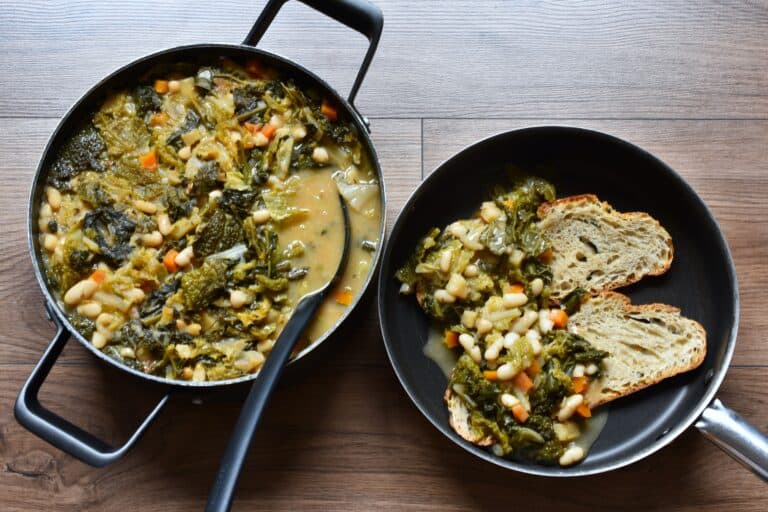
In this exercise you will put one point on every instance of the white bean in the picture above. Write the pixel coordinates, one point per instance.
(127, 353)
(261, 216)
(569, 406)
(164, 224)
(174, 86)
(100, 339)
(444, 297)
(185, 153)
(476, 354)
(184, 257)
(145, 206)
(493, 350)
(50, 242)
(514, 300)
(591, 369)
(194, 329)
(320, 155)
(457, 230)
(103, 321)
(471, 271)
(53, 196)
(545, 323)
(525, 322)
(466, 341)
(516, 258)
(509, 401)
(445, 260)
(509, 340)
(484, 325)
(298, 132)
(46, 210)
(534, 338)
(537, 285)
(238, 298)
(153, 239)
(89, 309)
(505, 371)
(80, 291)
(572, 455)
(134, 295)
(578, 370)
(457, 286)
(468, 318)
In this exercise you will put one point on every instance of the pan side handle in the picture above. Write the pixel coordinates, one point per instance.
(736, 437)
(359, 15)
(59, 432)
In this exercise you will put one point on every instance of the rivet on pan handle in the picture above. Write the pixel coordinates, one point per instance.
(735, 437)
(59, 432)
(358, 15)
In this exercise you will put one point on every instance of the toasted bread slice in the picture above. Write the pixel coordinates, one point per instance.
(597, 248)
(458, 418)
(647, 343)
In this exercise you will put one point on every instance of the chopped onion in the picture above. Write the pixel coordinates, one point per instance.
(233, 253)
(358, 195)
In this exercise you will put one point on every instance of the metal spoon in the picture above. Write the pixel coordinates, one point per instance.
(220, 497)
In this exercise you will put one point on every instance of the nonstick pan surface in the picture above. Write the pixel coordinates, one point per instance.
(701, 282)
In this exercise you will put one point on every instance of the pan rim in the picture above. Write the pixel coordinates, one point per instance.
(574, 471)
(52, 306)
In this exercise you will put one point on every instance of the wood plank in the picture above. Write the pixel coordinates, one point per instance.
(341, 438)
(398, 143)
(590, 59)
(726, 162)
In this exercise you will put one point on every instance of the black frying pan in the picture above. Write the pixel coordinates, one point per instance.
(701, 281)
(359, 15)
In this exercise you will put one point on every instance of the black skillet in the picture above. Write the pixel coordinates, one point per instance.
(701, 281)
(356, 14)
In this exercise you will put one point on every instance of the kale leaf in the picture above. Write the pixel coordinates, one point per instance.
(84, 151)
(190, 123)
(221, 232)
(201, 285)
(112, 231)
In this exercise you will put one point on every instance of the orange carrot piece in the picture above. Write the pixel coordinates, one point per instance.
(159, 119)
(253, 127)
(579, 384)
(584, 411)
(534, 369)
(451, 339)
(490, 374)
(523, 381)
(519, 412)
(559, 318)
(515, 288)
(169, 260)
(161, 86)
(269, 130)
(329, 111)
(149, 160)
(98, 276)
(546, 255)
(343, 297)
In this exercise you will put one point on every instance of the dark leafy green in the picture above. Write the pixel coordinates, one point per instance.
(84, 151)
(112, 231)
(221, 232)
(200, 286)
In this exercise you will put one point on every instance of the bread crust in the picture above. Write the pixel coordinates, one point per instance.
(458, 419)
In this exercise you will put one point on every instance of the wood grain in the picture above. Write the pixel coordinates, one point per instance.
(726, 162)
(685, 80)
(587, 59)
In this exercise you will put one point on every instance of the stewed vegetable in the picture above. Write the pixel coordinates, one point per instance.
(183, 221)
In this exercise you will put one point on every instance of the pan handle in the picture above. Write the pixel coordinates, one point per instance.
(358, 15)
(736, 437)
(56, 430)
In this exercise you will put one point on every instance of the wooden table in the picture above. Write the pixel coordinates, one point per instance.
(686, 80)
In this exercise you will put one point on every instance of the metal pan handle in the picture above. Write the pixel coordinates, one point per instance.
(358, 15)
(56, 430)
(736, 437)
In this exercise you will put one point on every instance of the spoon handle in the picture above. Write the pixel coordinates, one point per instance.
(220, 497)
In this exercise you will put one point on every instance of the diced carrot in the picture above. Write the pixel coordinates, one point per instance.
(534, 369)
(269, 130)
(343, 297)
(584, 411)
(161, 86)
(253, 127)
(254, 68)
(546, 255)
(169, 260)
(98, 276)
(329, 111)
(519, 412)
(515, 288)
(451, 339)
(523, 381)
(149, 160)
(559, 318)
(579, 384)
(159, 119)
(490, 374)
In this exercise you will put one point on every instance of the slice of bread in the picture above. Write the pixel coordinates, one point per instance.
(458, 418)
(647, 343)
(597, 248)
